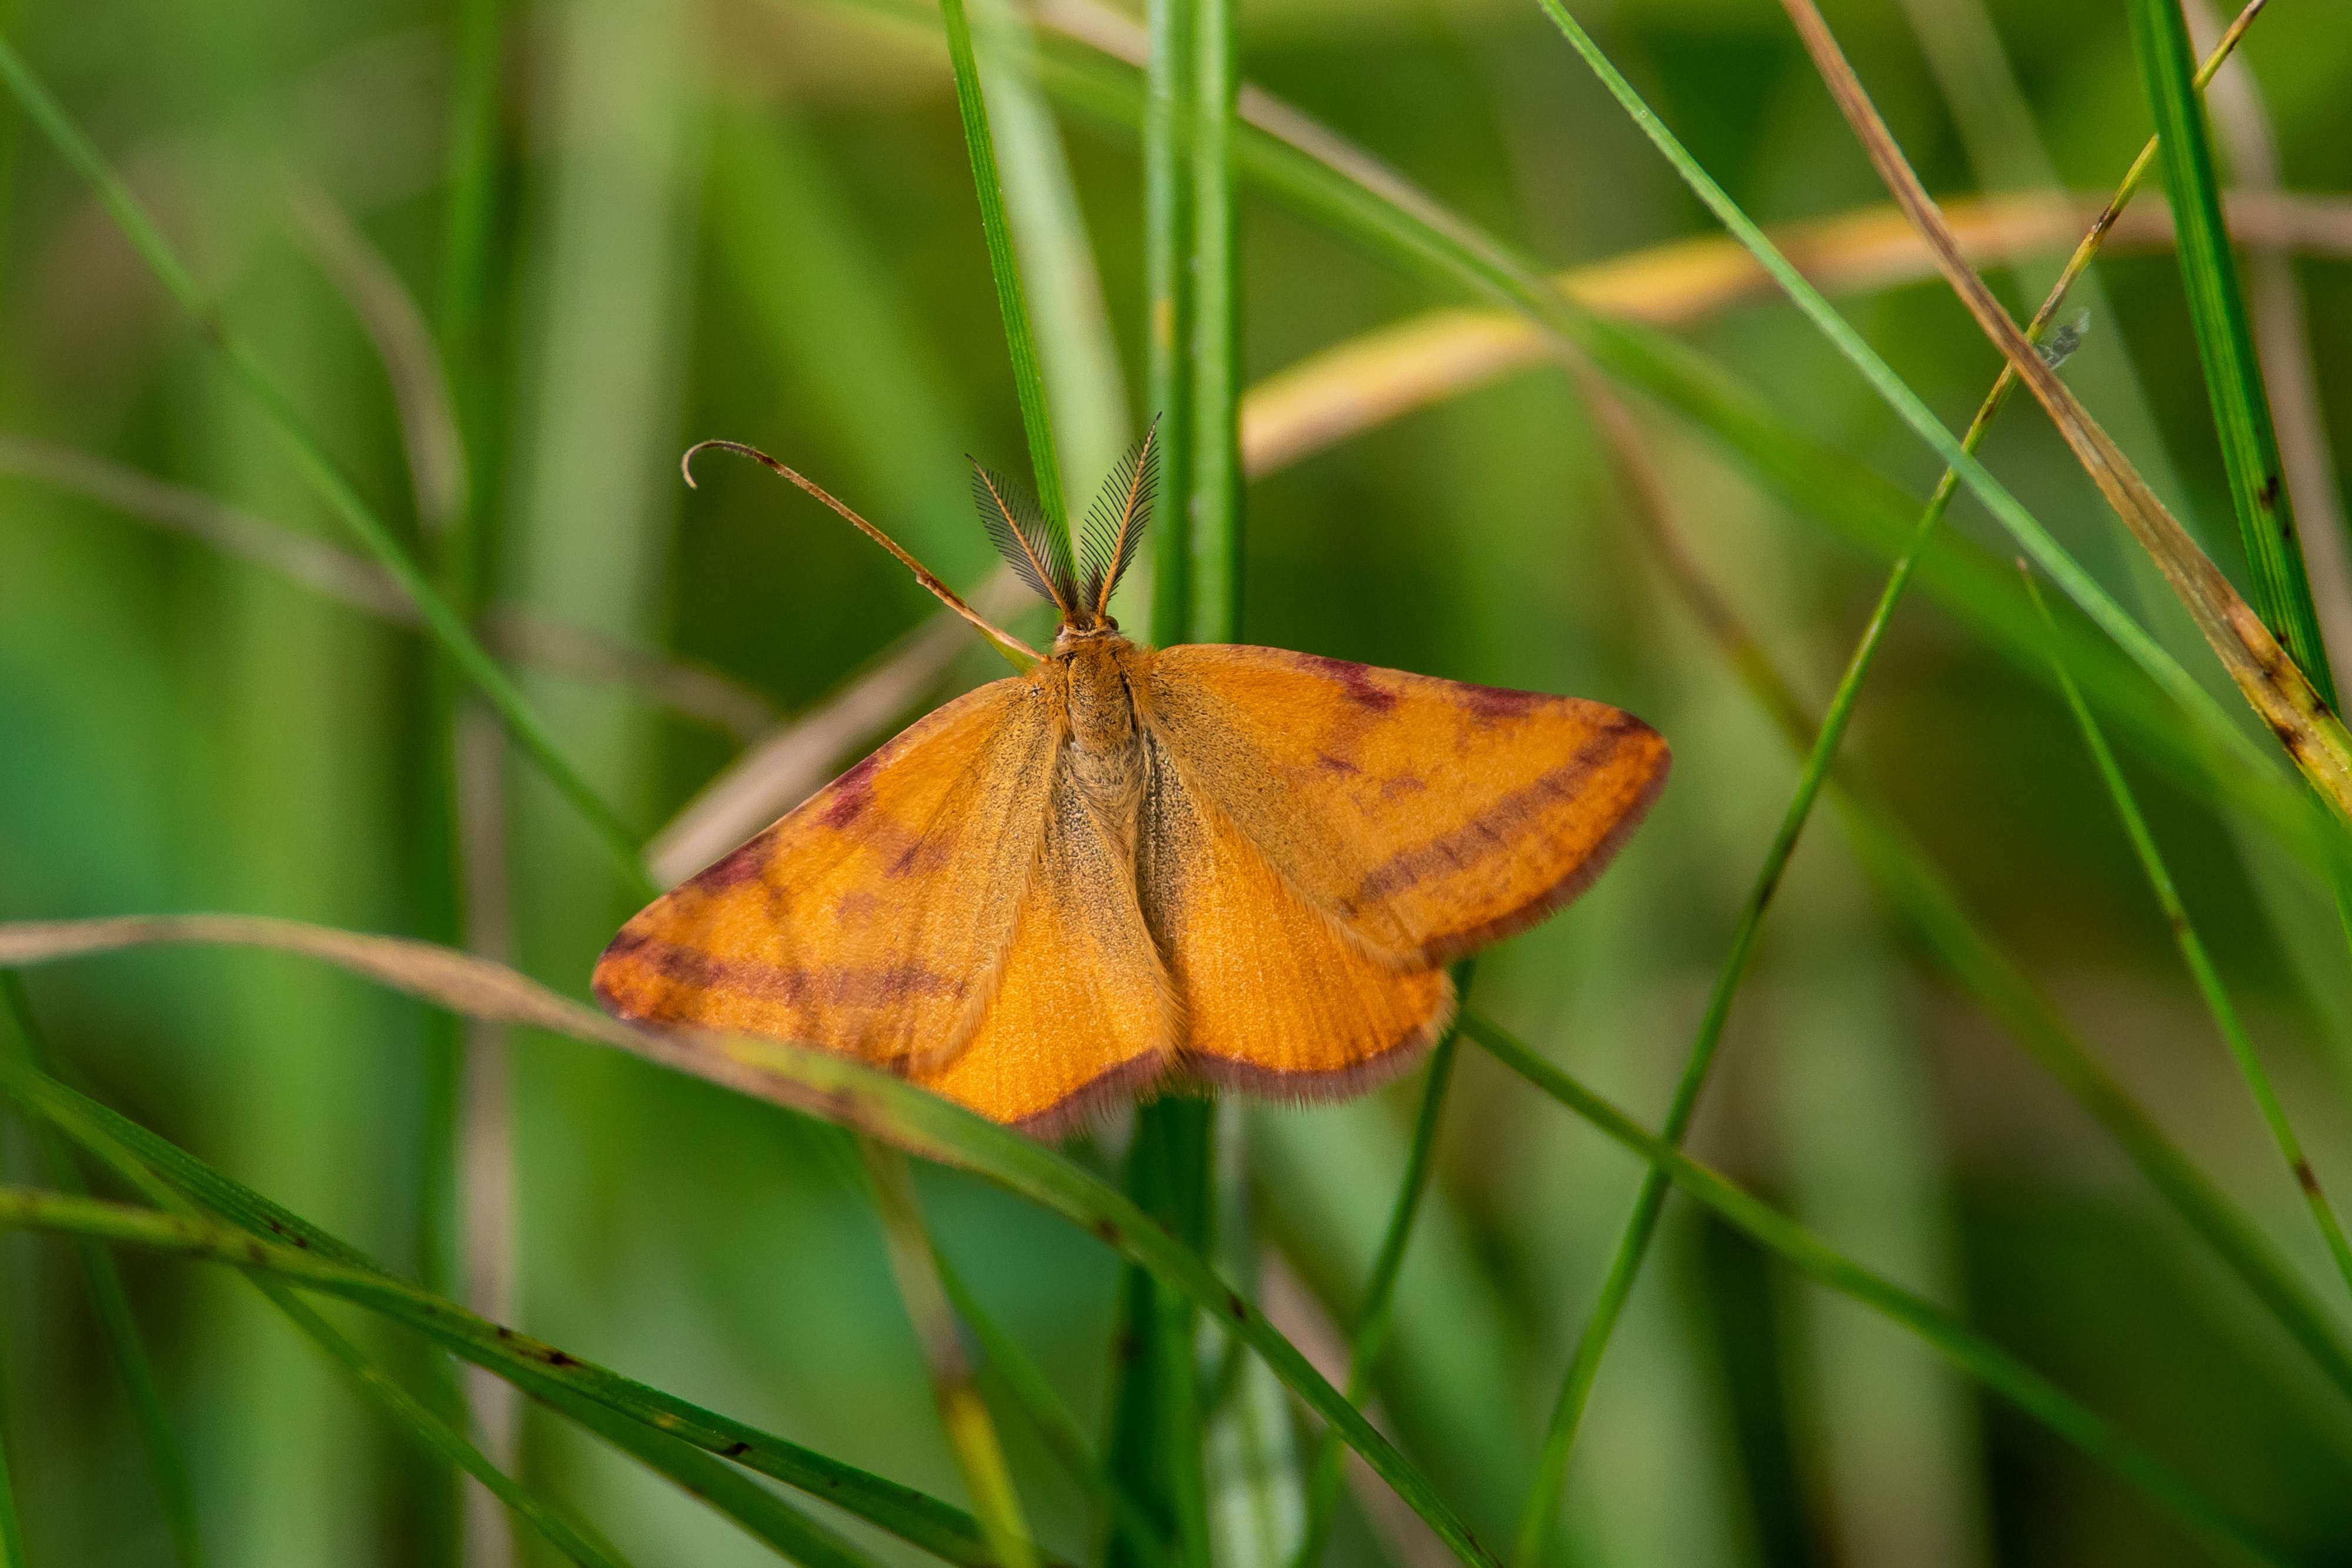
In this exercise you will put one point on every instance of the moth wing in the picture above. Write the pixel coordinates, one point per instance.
(1429, 816)
(1082, 1014)
(873, 920)
(1276, 997)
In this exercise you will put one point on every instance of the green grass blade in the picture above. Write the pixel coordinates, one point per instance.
(971, 1434)
(1214, 491)
(1168, 200)
(538, 1369)
(1955, 1341)
(1376, 1313)
(144, 1389)
(832, 1088)
(2225, 339)
(1004, 267)
(307, 455)
(2208, 979)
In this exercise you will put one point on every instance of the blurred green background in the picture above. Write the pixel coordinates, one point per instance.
(755, 220)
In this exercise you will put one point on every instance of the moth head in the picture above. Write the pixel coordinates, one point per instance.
(1038, 550)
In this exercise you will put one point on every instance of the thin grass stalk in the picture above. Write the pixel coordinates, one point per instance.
(1004, 267)
(165, 1460)
(1214, 496)
(835, 1089)
(1377, 1312)
(2225, 341)
(1927, 899)
(1154, 1451)
(1168, 218)
(1970, 1351)
(324, 473)
(444, 1440)
(971, 1436)
(1646, 496)
(2200, 967)
(463, 1137)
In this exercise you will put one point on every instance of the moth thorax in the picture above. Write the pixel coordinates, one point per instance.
(1105, 756)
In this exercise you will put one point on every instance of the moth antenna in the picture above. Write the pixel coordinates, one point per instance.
(1033, 548)
(1116, 520)
(940, 590)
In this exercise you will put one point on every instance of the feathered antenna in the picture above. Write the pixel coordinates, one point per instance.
(1032, 547)
(1004, 640)
(1116, 520)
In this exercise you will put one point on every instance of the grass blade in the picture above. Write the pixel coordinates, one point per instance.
(1004, 267)
(1955, 1341)
(12, 1531)
(1215, 497)
(1376, 1313)
(165, 1460)
(2225, 341)
(1168, 219)
(970, 1432)
(2208, 979)
(447, 625)
(831, 1088)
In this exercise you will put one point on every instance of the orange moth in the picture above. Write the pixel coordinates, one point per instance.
(1132, 870)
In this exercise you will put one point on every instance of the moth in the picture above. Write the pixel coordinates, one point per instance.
(1135, 870)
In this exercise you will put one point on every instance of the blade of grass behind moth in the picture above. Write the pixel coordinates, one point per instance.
(1377, 1310)
(1927, 900)
(669, 1434)
(1077, 350)
(2225, 341)
(165, 1460)
(964, 1416)
(432, 1430)
(2277, 689)
(1004, 267)
(1970, 1351)
(326, 476)
(1153, 1450)
(1214, 489)
(1816, 482)
(2200, 967)
(833, 1089)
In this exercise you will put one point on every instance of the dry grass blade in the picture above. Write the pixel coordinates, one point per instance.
(2273, 683)
(1365, 382)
